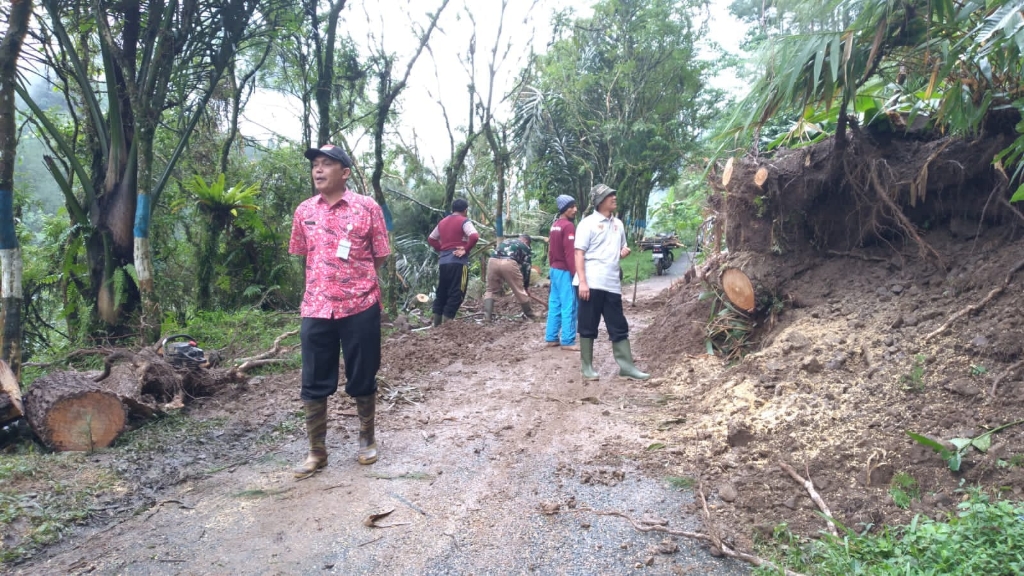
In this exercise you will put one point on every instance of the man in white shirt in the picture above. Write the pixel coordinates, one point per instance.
(600, 244)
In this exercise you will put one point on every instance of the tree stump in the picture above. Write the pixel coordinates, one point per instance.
(11, 407)
(753, 281)
(68, 412)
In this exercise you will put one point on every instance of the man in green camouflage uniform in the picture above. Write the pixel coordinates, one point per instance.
(510, 264)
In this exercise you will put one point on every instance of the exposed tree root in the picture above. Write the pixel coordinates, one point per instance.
(1011, 370)
(809, 486)
(266, 357)
(854, 255)
(905, 224)
(1011, 207)
(975, 307)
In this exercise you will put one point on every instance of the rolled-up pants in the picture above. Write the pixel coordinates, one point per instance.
(561, 309)
(357, 337)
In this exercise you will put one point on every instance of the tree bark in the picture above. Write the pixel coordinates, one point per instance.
(68, 412)
(11, 406)
(10, 252)
(148, 385)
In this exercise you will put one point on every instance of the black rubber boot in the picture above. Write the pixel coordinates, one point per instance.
(366, 407)
(316, 429)
(587, 359)
(624, 356)
(488, 309)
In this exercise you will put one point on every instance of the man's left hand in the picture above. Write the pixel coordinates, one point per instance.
(459, 252)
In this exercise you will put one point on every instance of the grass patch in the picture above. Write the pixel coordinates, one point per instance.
(174, 429)
(629, 268)
(982, 537)
(257, 493)
(904, 489)
(43, 496)
(681, 483)
(914, 380)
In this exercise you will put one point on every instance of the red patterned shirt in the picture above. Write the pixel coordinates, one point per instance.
(337, 287)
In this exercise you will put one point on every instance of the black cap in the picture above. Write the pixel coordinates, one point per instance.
(460, 205)
(331, 151)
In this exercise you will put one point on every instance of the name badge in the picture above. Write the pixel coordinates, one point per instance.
(343, 249)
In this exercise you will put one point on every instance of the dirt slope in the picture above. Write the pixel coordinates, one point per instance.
(839, 380)
(491, 448)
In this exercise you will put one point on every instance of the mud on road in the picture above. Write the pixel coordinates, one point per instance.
(493, 453)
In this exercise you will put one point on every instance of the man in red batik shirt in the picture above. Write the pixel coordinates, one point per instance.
(344, 240)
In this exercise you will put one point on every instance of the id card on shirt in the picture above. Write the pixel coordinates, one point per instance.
(344, 246)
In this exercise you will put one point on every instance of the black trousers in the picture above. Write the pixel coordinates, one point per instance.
(608, 305)
(451, 289)
(358, 337)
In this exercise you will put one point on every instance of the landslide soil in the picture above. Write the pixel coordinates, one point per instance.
(494, 454)
(494, 459)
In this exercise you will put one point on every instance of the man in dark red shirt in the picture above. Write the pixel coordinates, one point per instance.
(561, 328)
(454, 236)
(344, 240)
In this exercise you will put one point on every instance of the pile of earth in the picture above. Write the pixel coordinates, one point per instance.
(853, 362)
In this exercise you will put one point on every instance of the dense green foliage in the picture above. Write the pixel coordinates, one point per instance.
(954, 66)
(983, 537)
(620, 98)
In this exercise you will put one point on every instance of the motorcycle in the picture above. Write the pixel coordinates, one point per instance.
(661, 251)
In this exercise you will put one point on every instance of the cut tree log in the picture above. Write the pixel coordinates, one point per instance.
(11, 407)
(727, 173)
(768, 276)
(761, 176)
(69, 412)
(738, 289)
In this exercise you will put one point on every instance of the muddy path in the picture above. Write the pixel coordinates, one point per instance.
(492, 451)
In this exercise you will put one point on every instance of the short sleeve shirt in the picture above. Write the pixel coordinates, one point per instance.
(338, 287)
(602, 240)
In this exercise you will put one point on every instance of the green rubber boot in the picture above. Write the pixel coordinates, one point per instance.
(437, 320)
(366, 407)
(488, 309)
(587, 359)
(624, 356)
(316, 429)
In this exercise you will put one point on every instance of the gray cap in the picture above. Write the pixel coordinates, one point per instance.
(331, 151)
(599, 193)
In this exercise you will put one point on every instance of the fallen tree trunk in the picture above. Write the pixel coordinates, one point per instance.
(753, 282)
(68, 412)
(149, 385)
(11, 407)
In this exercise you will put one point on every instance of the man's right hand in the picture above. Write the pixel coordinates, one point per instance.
(584, 291)
(459, 252)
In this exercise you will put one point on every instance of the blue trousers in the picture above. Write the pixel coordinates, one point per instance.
(561, 309)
